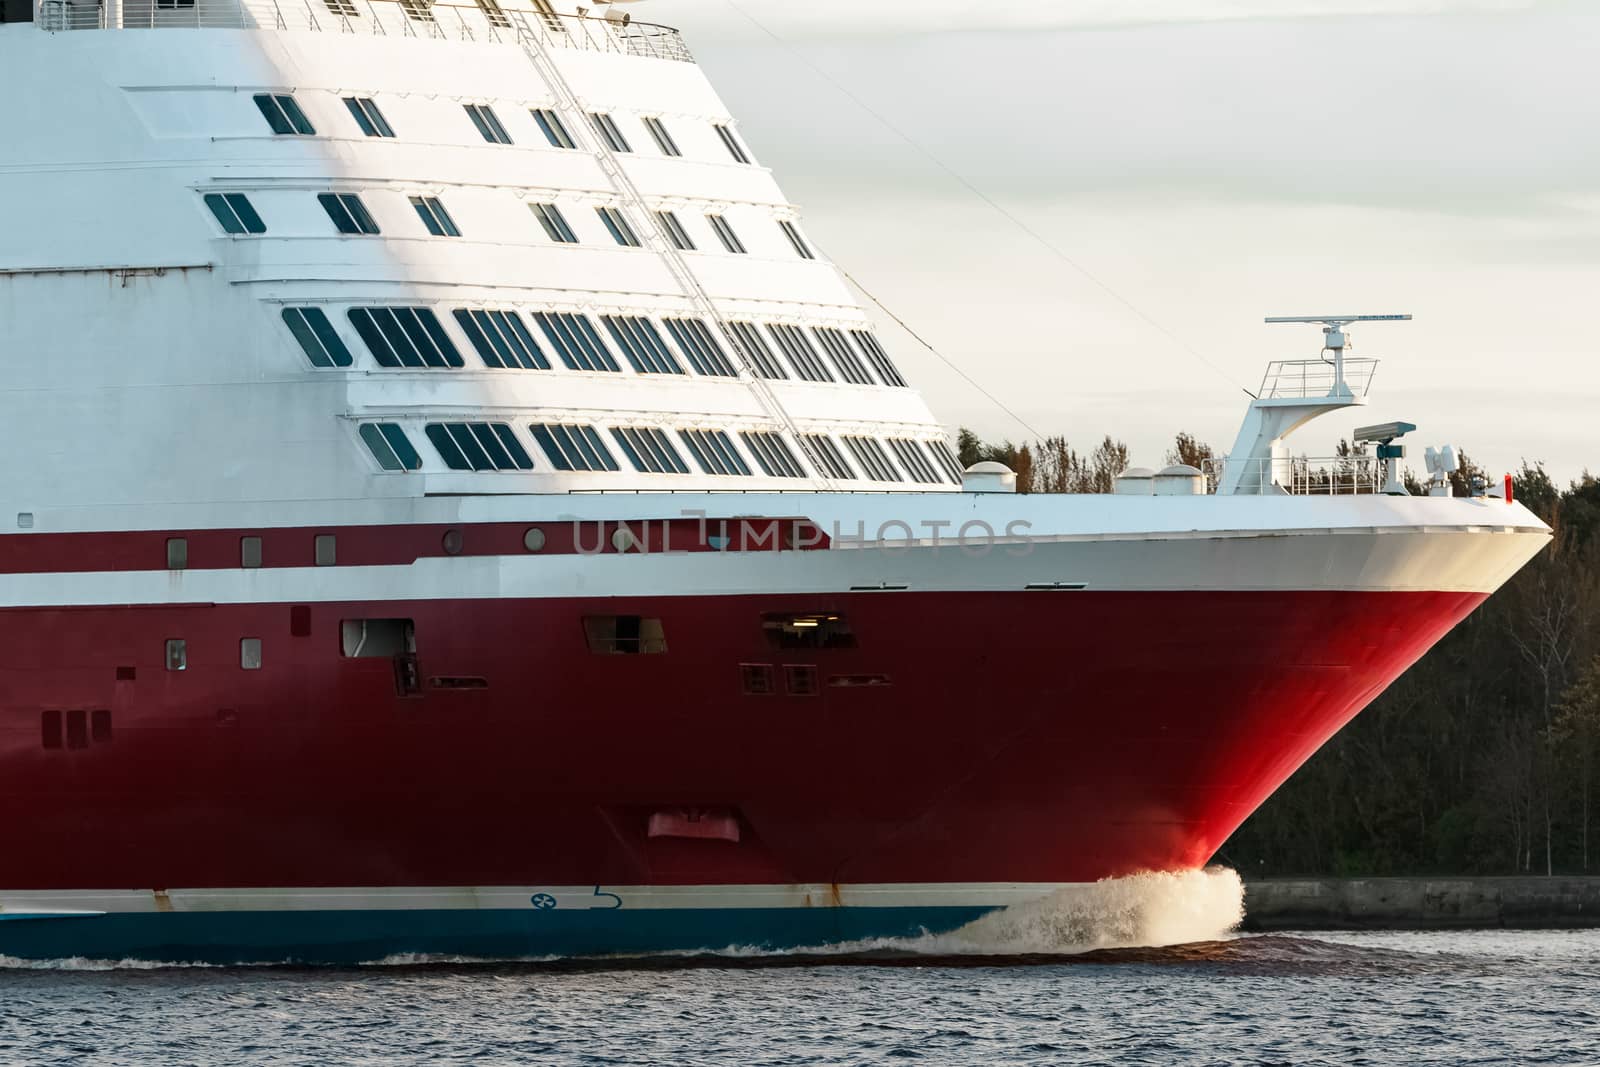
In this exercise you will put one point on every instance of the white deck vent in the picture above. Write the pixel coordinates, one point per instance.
(989, 477)
(1135, 481)
(1180, 479)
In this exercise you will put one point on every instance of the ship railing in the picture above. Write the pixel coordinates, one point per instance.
(1354, 473)
(484, 21)
(1304, 379)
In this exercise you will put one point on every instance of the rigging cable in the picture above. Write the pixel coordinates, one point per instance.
(923, 341)
(999, 208)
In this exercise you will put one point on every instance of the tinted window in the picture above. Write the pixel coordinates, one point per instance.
(316, 335)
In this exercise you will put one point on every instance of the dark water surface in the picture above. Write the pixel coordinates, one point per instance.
(1378, 998)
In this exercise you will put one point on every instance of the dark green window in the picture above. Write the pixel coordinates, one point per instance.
(606, 127)
(773, 455)
(283, 114)
(747, 339)
(914, 460)
(725, 234)
(554, 130)
(367, 115)
(575, 340)
(405, 337)
(649, 450)
(501, 339)
(390, 446)
(488, 123)
(878, 357)
(641, 343)
(435, 217)
(825, 456)
(348, 213)
(697, 342)
(478, 446)
(316, 335)
(947, 461)
(792, 232)
(235, 213)
(617, 224)
(663, 139)
(714, 452)
(675, 232)
(844, 357)
(731, 142)
(573, 448)
(870, 455)
(800, 351)
(554, 223)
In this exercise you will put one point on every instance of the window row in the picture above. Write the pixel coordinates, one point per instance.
(285, 117)
(415, 337)
(496, 446)
(350, 216)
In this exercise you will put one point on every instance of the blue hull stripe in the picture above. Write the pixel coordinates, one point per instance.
(359, 936)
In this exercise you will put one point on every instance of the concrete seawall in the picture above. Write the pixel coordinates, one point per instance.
(1420, 903)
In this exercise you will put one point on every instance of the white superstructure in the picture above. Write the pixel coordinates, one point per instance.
(571, 234)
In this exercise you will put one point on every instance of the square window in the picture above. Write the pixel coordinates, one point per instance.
(77, 728)
(50, 729)
(177, 654)
(326, 550)
(800, 680)
(249, 551)
(624, 635)
(250, 653)
(755, 679)
(177, 553)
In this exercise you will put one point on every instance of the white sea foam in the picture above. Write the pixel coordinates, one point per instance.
(1139, 911)
(81, 963)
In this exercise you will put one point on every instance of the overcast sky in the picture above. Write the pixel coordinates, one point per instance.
(1209, 162)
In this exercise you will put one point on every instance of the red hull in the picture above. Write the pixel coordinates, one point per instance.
(1026, 736)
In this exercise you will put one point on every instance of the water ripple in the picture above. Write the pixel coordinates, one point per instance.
(1379, 999)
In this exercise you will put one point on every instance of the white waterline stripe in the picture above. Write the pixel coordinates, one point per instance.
(522, 898)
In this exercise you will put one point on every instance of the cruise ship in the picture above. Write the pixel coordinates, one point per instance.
(452, 505)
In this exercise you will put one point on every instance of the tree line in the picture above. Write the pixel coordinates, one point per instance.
(1482, 758)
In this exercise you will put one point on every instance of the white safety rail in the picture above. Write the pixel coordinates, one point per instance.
(383, 18)
(1300, 475)
(1301, 379)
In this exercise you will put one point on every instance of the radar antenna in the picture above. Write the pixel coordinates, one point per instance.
(1335, 338)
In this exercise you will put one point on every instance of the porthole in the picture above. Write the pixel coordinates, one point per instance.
(452, 542)
(623, 540)
(533, 540)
